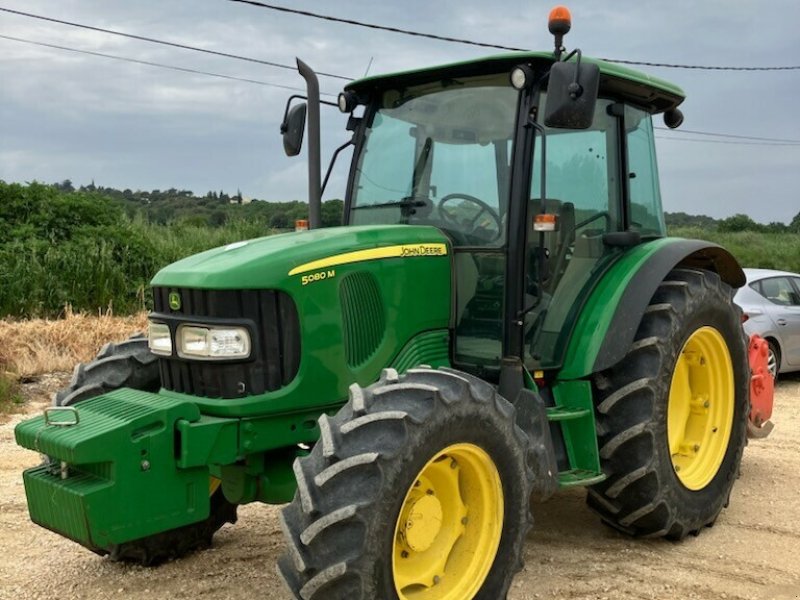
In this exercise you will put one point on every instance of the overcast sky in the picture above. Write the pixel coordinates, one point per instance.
(79, 117)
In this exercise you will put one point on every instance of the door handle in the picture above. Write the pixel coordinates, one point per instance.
(781, 321)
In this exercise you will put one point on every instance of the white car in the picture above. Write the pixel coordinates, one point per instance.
(771, 304)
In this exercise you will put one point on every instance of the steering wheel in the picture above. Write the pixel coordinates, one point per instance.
(471, 225)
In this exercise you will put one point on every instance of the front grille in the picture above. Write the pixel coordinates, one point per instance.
(271, 316)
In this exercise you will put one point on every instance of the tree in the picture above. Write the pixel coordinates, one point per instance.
(279, 221)
(794, 226)
(739, 222)
(64, 186)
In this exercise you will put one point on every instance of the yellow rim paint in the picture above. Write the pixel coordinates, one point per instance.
(700, 409)
(449, 527)
(213, 485)
(398, 251)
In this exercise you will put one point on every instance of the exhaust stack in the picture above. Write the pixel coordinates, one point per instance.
(314, 166)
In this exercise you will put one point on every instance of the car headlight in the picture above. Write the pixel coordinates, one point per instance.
(213, 342)
(159, 339)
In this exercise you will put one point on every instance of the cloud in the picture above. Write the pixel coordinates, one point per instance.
(64, 115)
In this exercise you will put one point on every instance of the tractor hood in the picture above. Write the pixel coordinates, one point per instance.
(275, 261)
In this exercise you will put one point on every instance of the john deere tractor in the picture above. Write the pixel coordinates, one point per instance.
(501, 315)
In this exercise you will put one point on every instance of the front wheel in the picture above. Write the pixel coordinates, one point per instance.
(417, 490)
(672, 414)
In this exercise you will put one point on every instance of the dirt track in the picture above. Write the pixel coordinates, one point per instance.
(752, 553)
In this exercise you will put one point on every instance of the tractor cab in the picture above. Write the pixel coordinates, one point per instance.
(540, 169)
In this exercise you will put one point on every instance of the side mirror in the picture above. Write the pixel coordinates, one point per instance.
(292, 128)
(572, 95)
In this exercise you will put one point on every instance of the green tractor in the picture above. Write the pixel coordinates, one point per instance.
(501, 315)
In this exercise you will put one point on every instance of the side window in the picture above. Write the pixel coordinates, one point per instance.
(779, 290)
(645, 196)
(796, 282)
(582, 173)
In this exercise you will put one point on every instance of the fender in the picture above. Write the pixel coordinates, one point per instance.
(607, 325)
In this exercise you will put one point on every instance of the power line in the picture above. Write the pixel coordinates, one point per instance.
(442, 38)
(142, 38)
(730, 135)
(728, 142)
(700, 67)
(772, 141)
(155, 64)
(432, 36)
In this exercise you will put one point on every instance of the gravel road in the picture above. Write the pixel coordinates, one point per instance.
(753, 552)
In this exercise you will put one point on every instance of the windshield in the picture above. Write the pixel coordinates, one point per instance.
(440, 154)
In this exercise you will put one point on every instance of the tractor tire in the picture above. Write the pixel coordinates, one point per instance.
(131, 364)
(672, 415)
(435, 447)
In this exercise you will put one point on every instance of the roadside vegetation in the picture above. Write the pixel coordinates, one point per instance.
(95, 251)
(75, 263)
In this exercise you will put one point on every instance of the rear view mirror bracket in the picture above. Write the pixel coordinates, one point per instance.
(572, 92)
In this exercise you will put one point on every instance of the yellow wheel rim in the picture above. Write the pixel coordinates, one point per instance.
(700, 410)
(449, 527)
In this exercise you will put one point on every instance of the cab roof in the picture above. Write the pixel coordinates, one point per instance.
(652, 93)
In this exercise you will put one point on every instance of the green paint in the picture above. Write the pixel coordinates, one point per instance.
(208, 441)
(415, 293)
(609, 70)
(430, 348)
(123, 481)
(574, 411)
(595, 318)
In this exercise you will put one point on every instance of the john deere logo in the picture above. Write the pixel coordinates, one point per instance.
(175, 301)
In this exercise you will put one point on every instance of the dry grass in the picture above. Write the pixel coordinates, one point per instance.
(37, 346)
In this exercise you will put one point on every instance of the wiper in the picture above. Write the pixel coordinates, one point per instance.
(409, 202)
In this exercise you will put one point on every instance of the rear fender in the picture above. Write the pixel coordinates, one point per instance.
(608, 323)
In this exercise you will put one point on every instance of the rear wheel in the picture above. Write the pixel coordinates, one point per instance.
(131, 364)
(418, 490)
(672, 414)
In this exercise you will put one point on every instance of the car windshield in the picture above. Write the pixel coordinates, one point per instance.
(439, 154)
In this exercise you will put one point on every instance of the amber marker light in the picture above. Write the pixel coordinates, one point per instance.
(560, 20)
(545, 222)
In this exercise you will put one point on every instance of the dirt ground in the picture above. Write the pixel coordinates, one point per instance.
(753, 552)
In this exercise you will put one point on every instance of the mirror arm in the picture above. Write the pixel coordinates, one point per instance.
(575, 89)
(333, 162)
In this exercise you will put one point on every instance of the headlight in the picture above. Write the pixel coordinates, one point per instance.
(159, 339)
(213, 342)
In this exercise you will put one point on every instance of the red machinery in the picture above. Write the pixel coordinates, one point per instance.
(762, 389)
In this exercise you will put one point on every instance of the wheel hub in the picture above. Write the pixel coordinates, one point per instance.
(449, 526)
(700, 409)
(423, 523)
